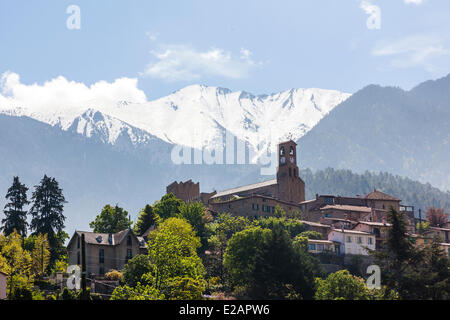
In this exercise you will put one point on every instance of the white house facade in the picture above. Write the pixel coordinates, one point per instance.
(353, 241)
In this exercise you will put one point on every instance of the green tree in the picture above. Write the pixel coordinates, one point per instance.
(147, 218)
(341, 285)
(58, 249)
(140, 292)
(111, 220)
(399, 259)
(264, 264)
(173, 252)
(185, 288)
(434, 272)
(220, 232)
(293, 227)
(195, 214)
(135, 269)
(279, 212)
(47, 212)
(15, 215)
(311, 235)
(16, 262)
(61, 264)
(168, 207)
(40, 255)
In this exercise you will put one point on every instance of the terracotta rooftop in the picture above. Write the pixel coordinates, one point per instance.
(352, 231)
(376, 224)
(378, 195)
(348, 208)
(244, 188)
(314, 224)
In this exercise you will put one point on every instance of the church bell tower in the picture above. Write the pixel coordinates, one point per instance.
(291, 187)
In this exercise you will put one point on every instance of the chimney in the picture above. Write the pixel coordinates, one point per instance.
(110, 238)
(317, 196)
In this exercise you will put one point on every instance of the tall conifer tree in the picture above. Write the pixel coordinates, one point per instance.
(15, 215)
(47, 211)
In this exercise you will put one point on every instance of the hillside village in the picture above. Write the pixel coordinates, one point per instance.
(342, 232)
(349, 226)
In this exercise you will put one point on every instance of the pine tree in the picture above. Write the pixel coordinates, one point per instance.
(15, 215)
(399, 259)
(146, 219)
(47, 211)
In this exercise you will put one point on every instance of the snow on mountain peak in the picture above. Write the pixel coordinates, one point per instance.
(195, 116)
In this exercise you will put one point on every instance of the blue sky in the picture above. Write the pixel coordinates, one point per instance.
(256, 46)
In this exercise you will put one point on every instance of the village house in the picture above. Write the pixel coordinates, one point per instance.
(338, 223)
(425, 239)
(105, 252)
(378, 229)
(371, 207)
(323, 229)
(3, 279)
(441, 233)
(352, 241)
(320, 246)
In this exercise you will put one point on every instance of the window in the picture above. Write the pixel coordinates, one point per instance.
(311, 246)
(129, 241)
(295, 172)
(359, 240)
(291, 151)
(282, 151)
(78, 258)
(101, 256)
(255, 206)
(369, 240)
(78, 242)
(320, 247)
(349, 239)
(327, 215)
(377, 232)
(290, 172)
(101, 271)
(129, 255)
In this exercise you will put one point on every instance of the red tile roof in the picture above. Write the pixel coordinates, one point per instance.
(347, 208)
(378, 195)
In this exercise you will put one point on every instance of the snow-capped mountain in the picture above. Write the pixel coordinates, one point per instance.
(195, 116)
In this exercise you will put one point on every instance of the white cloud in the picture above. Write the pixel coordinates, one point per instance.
(413, 51)
(184, 62)
(417, 2)
(62, 93)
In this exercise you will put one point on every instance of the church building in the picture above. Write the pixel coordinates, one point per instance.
(260, 199)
